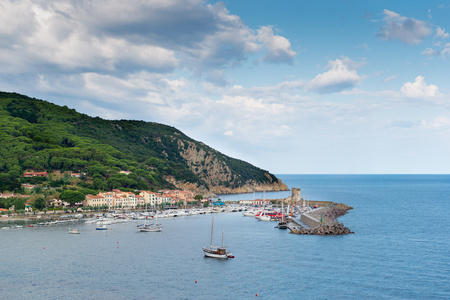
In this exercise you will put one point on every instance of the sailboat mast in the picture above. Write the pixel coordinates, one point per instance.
(212, 226)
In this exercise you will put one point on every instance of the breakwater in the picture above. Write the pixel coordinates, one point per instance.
(323, 221)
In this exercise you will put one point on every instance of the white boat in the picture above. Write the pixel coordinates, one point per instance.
(74, 231)
(151, 228)
(249, 213)
(216, 251)
(264, 217)
(101, 226)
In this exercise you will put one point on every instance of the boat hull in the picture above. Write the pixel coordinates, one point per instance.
(214, 254)
(150, 229)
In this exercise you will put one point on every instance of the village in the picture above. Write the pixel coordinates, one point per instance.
(115, 199)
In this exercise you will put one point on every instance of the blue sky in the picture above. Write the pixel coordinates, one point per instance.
(313, 87)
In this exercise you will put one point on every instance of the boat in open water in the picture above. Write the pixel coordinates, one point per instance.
(216, 251)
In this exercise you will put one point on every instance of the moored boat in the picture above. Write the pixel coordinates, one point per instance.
(216, 251)
(150, 228)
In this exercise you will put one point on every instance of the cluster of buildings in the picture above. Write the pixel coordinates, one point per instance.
(35, 174)
(120, 199)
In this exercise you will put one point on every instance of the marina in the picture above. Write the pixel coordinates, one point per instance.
(387, 257)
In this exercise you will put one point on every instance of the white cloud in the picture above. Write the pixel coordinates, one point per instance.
(341, 75)
(278, 48)
(419, 89)
(407, 30)
(441, 34)
(430, 52)
(387, 79)
(113, 36)
(438, 123)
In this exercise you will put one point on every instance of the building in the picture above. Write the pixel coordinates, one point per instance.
(35, 174)
(27, 186)
(6, 195)
(177, 195)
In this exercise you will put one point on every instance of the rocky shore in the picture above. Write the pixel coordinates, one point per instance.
(327, 223)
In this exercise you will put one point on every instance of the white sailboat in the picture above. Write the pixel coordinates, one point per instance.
(151, 227)
(216, 251)
(101, 226)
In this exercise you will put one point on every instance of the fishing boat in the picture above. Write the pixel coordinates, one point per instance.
(216, 251)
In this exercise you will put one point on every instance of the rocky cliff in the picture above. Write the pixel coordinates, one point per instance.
(217, 175)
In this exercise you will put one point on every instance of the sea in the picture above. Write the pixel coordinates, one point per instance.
(400, 249)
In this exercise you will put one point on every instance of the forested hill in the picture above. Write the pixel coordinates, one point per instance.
(37, 135)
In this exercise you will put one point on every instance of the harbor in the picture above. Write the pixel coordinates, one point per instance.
(49, 263)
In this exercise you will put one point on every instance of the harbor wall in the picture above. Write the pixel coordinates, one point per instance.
(310, 221)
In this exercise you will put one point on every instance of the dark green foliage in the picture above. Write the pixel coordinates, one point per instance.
(19, 203)
(72, 196)
(41, 136)
(39, 203)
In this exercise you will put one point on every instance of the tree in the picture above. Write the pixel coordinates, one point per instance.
(72, 196)
(198, 197)
(39, 203)
(19, 204)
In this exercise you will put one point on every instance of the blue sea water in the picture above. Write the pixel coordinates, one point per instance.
(400, 250)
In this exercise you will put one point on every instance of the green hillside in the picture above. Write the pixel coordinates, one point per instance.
(41, 136)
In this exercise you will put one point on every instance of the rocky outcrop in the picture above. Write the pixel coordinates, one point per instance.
(217, 175)
(213, 191)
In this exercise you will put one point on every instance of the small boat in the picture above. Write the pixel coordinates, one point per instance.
(74, 231)
(150, 228)
(282, 224)
(101, 226)
(249, 213)
(216, 251)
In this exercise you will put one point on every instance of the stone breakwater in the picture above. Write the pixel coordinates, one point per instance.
(323, 221)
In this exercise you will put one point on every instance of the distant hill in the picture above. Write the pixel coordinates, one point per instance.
(41, 136)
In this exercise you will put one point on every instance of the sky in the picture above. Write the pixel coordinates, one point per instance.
(293, 87)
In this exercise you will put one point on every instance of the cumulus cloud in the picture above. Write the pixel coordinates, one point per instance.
(407, 30)
(341, 76)
(441, 34)
(278, 48)
(419, 89)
